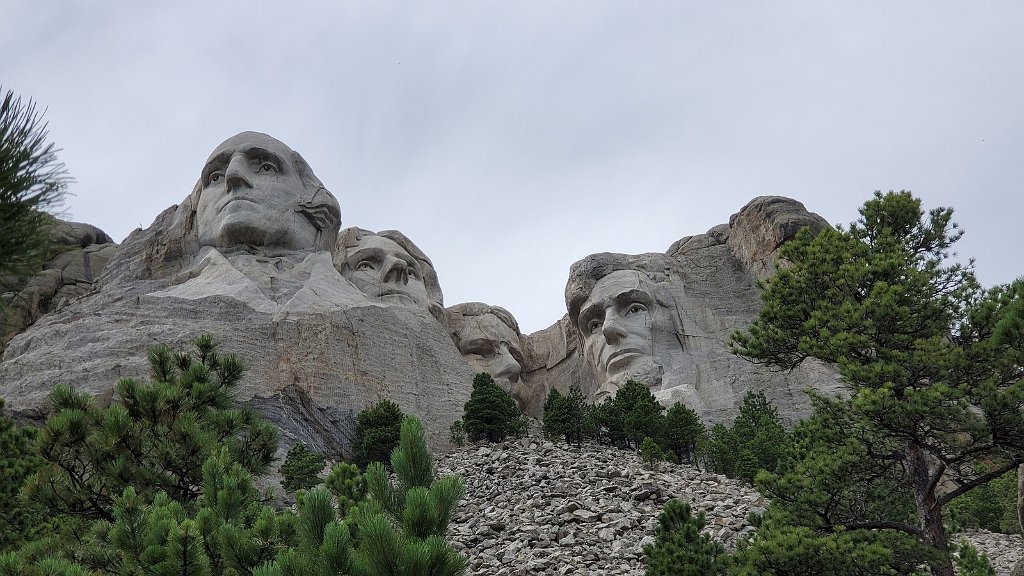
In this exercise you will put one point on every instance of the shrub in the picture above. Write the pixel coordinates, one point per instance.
(377, 432)
(457, 434)
(490, 413)
(301, 468)
(680, 549)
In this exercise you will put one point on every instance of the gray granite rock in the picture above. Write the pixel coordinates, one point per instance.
(665, 319)
(533, 507)
(260, 275)
(81, 252)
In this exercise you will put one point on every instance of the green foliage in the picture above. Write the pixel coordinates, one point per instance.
(754, 442)
(782, 549)
(402, 526)
(933, 363)
(684, 433)
(301, 468)
(490, 413)
(348, 486)
(970, 563)
(651, 452)
(565, 417)
(632, 414)
(457, 434)
(680, 549)
(18, 519)
(154, 437)
(32, 180)
(991, 507)
(377, 431)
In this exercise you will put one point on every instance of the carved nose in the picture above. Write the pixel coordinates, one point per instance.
(506, 366)
(396, 270)
(235, 174)
(612, 329)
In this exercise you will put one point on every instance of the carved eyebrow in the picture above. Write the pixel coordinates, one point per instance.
(621, 299)
(263, 154)
(636, 295)
(216, 163)
(364, 253)
(590, 312)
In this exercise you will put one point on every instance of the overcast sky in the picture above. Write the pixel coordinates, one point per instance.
(509, 139)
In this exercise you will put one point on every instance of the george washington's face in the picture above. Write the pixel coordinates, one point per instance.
(250, 195)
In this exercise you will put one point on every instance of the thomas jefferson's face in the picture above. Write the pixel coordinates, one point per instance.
(250, 192)
(380, 268)
(620, 323)
(489, 345)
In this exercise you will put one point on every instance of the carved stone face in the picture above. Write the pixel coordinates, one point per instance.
(626, 333)
(489, 345)
(250, 195)
(382, 269)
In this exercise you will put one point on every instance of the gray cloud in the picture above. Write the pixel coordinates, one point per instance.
(511, 139)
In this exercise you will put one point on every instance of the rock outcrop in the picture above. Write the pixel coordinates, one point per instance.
(330, 321)
(249, 256)
(81, 253)
(687, 302)
(533, 507)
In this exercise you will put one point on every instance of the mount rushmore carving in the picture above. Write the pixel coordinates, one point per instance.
(330, 320)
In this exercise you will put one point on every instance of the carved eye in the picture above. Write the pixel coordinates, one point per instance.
(412, 272)
(215, 176)
(636, 308)
(365, 265)
(267, 167)
(594, 325)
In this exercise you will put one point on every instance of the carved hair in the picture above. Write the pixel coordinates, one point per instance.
(654, 271)
(458, 315)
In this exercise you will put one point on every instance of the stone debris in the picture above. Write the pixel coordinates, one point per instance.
(537, 508)
(534, 507)
(1003, 550)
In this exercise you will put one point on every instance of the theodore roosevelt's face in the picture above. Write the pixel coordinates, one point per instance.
(489, 345)
(620, 322)
(250, 194)
(382, 269)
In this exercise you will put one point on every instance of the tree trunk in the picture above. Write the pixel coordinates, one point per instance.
(1018, 570)
(928, 512)
(1020, 496)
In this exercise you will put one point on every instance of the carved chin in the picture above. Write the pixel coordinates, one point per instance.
(645, 370)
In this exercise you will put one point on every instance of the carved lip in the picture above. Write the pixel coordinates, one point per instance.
(621, 358)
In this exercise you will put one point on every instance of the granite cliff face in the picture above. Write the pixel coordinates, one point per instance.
(329, 321)
(665, 319)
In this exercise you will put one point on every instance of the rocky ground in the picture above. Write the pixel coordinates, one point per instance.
(533, 507)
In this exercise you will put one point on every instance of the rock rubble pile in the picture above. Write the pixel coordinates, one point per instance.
(533, 507)
(537, 508)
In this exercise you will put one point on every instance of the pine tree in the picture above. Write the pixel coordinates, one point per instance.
(348, 486)
(419, 505)
(490, 413)
(18, 519)
(683, 432)
(301, 468)
(555, 424)
(632, 414)
(457, 434)
(32, 180)
(651, 453)
(377, 432)
(934, 365)
(680, 549)
(154, 437)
